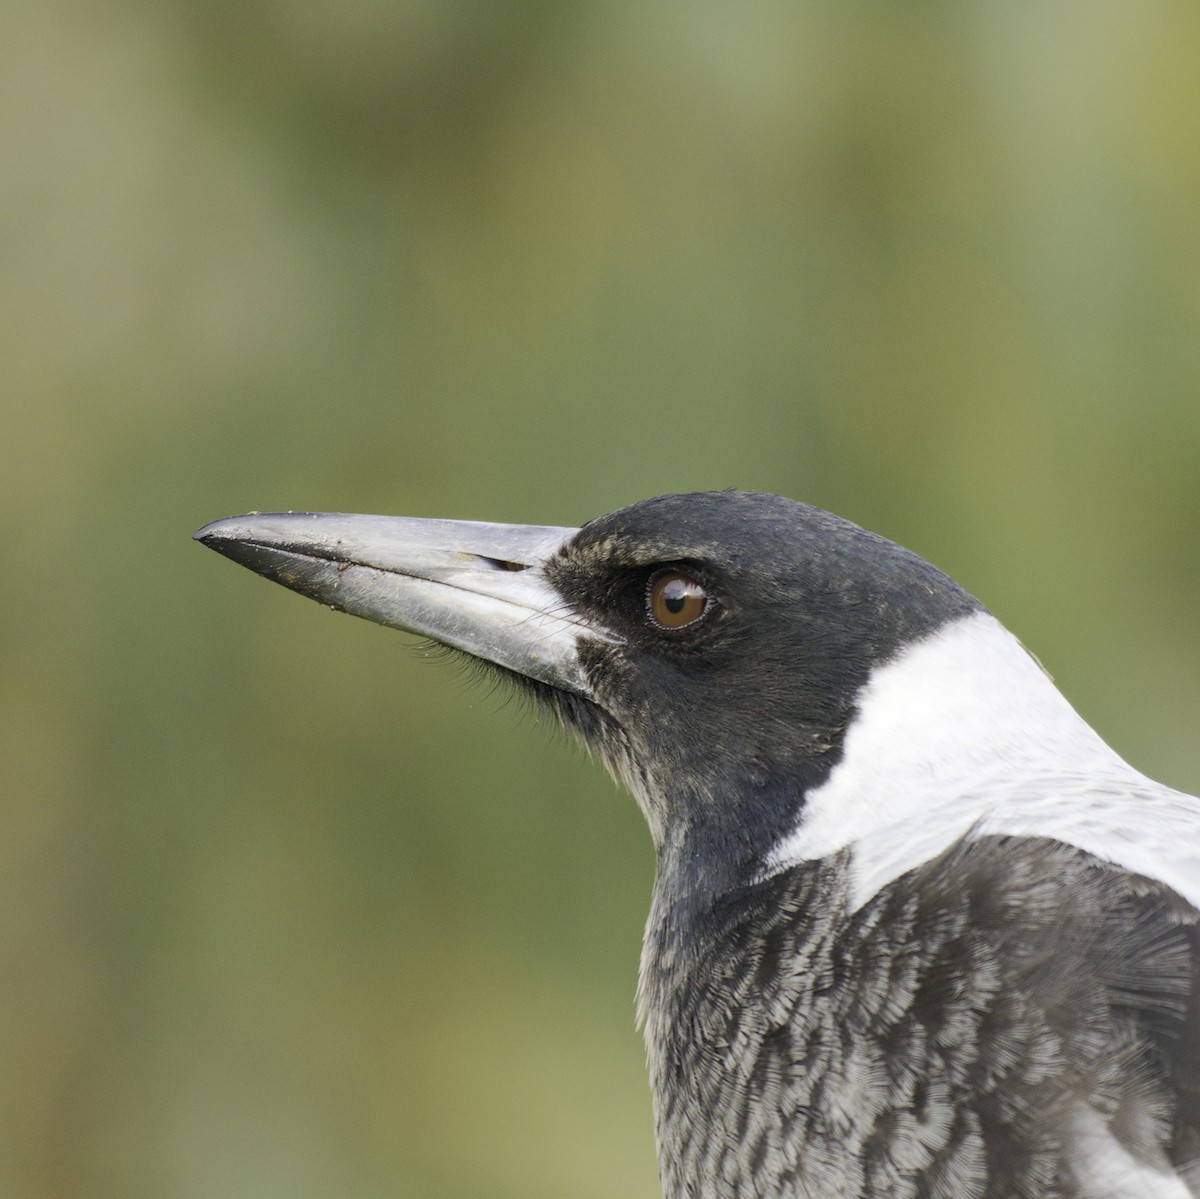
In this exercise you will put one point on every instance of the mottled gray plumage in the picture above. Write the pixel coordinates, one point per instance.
(937, 1043)
(916, 932)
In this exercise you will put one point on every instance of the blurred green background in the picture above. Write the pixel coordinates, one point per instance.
(287, 911)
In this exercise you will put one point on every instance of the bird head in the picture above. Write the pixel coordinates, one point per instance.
(708, 647)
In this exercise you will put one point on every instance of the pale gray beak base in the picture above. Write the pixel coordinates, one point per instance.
(475, 586)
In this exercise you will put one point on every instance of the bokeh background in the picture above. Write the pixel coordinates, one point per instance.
(286, 910)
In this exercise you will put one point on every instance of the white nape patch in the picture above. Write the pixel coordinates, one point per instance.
(1104, 1169)
(963, 732)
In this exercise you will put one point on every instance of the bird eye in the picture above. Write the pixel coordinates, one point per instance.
(675, 601)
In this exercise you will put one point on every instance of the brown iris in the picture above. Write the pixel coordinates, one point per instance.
(675, 600)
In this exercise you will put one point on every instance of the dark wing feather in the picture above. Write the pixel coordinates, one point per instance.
(1099, 1007)
(948, 1040)
(1164, 1003)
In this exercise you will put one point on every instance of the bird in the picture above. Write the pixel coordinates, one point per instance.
(916, 931)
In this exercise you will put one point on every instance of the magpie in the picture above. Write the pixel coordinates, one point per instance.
(916, 932)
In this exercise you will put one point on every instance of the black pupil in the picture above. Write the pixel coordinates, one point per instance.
(675, 597)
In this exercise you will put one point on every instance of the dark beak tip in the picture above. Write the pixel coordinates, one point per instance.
(228, 528)
(215, 530)
(229, 538)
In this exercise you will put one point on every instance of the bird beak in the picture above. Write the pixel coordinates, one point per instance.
(477, 587)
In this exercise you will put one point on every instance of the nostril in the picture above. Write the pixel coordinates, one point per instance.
(503, 563)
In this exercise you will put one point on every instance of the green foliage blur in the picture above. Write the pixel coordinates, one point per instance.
(286, 910)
